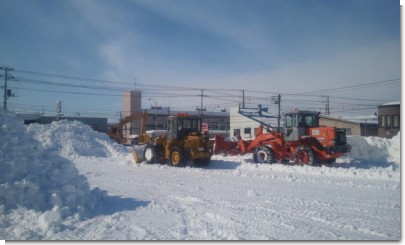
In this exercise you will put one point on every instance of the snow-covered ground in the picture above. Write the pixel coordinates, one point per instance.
(65, 181)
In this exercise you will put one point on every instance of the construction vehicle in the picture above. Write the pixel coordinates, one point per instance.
(302, 141)
(116, 132)
(182, 142)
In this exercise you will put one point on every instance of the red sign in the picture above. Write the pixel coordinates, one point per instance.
(204, 127)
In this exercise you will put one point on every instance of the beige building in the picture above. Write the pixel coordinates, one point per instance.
(132, 103)
(351, 127)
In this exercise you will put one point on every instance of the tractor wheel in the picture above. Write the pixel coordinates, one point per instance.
(304, 155)
(263, 154)
(149, 154)
(177, 158)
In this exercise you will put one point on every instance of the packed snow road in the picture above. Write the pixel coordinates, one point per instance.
(240, 200)
(64, 181)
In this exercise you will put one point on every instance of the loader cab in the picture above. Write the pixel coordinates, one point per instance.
(182, 125)
(297, 122)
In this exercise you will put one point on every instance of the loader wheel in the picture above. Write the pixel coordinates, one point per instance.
(304, 155)
(149, 154)
(177, 158)
(263, 154)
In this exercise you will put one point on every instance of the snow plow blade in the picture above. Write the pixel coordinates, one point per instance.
(229, 147)
(223, 146)
(137, 153)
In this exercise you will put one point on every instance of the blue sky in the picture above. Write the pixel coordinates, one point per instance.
(268, 46)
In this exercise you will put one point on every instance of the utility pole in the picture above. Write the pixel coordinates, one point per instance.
(243, 98)
(277, 100)
(327, 108)
(7, 92)
(201, 109)
(58, 110)
(156, 118)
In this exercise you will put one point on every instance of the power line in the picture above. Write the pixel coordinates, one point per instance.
(371, 84)
(231, 96)
(74, 77)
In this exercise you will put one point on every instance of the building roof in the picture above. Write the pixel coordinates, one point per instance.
(393, 103)
(371, 119)
(166, 111)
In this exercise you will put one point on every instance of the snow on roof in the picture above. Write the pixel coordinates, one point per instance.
(370, 119)
(393, 103)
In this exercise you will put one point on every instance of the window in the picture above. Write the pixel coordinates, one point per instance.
(382, 121)
(388, 123)
(395, 121)
(288, 121)
(310, 121)
(248, 131)
(236, 132)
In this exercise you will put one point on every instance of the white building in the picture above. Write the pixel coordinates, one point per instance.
(244, 126)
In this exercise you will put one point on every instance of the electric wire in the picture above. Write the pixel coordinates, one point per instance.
(228, 97)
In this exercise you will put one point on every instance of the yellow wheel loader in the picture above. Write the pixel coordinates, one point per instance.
(182, 142)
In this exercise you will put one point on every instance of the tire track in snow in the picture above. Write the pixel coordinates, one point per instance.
(253, 203)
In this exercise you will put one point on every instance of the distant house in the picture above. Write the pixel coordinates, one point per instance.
(389, 116)
(366, 127)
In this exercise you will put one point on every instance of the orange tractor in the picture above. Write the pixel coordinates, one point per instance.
(302, 141)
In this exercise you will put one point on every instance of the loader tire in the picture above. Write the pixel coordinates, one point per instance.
(263, 154)
(177, 158)
(304, 155)
(149, 154)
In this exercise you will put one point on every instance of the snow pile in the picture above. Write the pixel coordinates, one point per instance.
(39, 180)
(380, 152)
(75, 139)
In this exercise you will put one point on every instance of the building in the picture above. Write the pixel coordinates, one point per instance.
(157, 118)
(217, 122)
(389, 116)
(244, 126)
(97, 124)
(132, 103)
(366, 127)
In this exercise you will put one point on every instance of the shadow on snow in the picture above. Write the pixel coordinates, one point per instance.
(108, 205)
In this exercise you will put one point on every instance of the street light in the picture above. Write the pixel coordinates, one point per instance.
(155, 115)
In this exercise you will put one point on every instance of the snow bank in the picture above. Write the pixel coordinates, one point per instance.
(38, 179)
(75, 139)
(374, 151)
